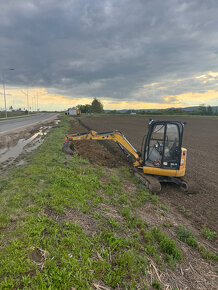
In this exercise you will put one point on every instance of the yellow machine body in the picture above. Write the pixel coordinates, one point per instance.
(169, 172)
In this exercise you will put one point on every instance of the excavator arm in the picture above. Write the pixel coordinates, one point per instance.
(115, 136)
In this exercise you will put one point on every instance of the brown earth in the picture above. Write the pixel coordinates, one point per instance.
(201, 141)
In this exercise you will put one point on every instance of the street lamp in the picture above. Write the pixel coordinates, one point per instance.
(3, 80)
(27, 97)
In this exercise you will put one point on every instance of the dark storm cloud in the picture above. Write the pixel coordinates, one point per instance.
(109, 48)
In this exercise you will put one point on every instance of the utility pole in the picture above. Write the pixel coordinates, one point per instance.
(27, 100)
(28, 107)
(37, 102)
(3, 81)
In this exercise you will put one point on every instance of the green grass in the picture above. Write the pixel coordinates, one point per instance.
(62, 227)
(14, 114)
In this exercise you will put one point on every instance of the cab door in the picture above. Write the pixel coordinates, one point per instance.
(172, 149)
(163, 145)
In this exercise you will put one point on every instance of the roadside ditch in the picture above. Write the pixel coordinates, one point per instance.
(14, 145)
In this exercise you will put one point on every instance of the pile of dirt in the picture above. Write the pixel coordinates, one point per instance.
(97, 152)
(200, 139)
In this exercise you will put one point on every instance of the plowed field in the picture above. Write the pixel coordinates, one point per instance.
(201, 141)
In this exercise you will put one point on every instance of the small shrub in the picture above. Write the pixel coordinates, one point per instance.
(154, 198)
(156, 284)
(208, 234)
(207, 254)
(169, 247)
(183, 234)
(164, 207)
(192, 241)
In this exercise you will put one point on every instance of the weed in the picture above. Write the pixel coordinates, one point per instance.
(3, 184)
(192, 241)
(125, 172)
(208, 234)
(123, 199)
(187, 236)
(207, 254)
(167, 245)
(126, 212)
(156, 284)
(167, 224)
(185, 211)
(114, 179)
(4, 220)
(183, 234)
(114, 223)
(100, 171)
(154, 198)
(143, 195)
(164, 207)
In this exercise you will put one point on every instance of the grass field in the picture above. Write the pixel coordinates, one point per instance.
(12, 114)
(69, 224)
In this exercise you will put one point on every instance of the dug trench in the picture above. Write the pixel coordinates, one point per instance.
(199, 208)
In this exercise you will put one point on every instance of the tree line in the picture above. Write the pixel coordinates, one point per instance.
(95, 107)
(201, 110)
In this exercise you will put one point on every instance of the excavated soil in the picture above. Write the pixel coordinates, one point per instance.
(201, 141)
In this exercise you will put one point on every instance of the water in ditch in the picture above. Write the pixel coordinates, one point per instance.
(9, 155)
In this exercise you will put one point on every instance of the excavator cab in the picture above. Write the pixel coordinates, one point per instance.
(163, 153)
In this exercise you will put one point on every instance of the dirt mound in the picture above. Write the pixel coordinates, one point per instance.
(98, 152)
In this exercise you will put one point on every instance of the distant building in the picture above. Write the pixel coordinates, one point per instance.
(71, 111)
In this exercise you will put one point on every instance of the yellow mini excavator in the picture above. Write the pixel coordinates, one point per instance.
(162, 157)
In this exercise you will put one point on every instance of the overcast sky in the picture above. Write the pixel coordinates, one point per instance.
(137, 52)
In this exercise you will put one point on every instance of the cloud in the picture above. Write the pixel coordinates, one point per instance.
(137, 51)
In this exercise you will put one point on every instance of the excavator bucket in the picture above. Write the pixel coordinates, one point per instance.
(68, 147)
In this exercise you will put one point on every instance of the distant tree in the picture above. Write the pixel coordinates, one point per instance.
(209, 110)
(96, 106)
(202, 110)
(85, 109)
(113, 112)
(88, 108)
(11, 108)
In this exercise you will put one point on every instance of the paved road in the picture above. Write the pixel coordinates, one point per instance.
(13, 124)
